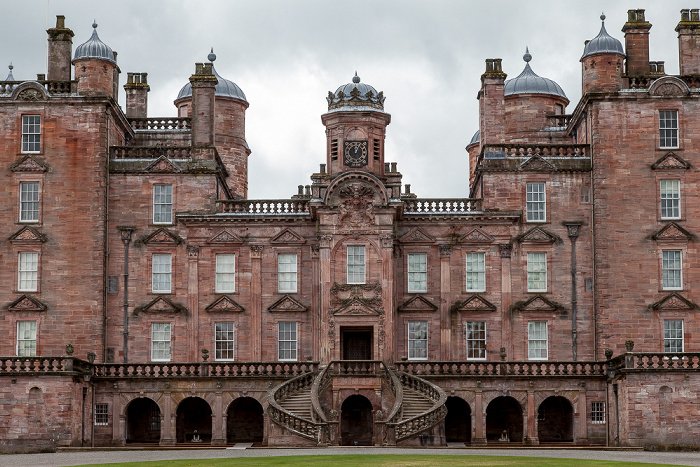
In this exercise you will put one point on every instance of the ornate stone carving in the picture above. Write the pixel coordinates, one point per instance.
(160, 305)
(192, 251)
(668, 89)
(445, 250)
(29, 164)
(572, 229)
(356, 209)
(476, 235)
(474, 303)
(416, 236)
(672, 232)
(163, 165)
(225, 237)
(224, 304)
(325, 241)
(161, 236)
(674, 301)
(418, 303)
(28, 235)
(287, 303)
(537, 235)
(537, 164)
(287, 236)
(256, 251)
(26, 303)
(538, 303)
(505, 250)
(30, 95)
(387, 241)
(670, 161)
(369, 295)
(315, 250)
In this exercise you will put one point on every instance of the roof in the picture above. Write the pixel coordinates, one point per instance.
(356, 95)
(602, 43)
(528, 82)
(475, 138)
(224, 88)
(94, 48)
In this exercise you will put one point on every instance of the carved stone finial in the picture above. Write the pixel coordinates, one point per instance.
(205, 354)
(608, 354)
(70, 349)
(91, 357)
(629, 345)
(212, 56)
(503, 354)
(527, 57)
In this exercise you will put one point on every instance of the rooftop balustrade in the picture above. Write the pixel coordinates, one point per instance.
(161, 123)
(270, 206)
(528, 150)
(441, 205)
(52, 87)
(150, 152)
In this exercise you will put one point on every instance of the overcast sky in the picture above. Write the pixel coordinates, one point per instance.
(427, 57)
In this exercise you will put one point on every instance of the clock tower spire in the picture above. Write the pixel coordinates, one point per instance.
(355, 129)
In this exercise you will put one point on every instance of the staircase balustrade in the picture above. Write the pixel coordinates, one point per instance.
(308, 429)
(406, 428)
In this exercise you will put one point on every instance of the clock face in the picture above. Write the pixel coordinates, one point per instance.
(355, 153)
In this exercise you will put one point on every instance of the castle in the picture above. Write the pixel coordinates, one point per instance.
(147, 300)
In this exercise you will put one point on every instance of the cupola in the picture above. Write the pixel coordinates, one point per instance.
(528, 82)
(603, 43)
(94, 48)
(356, 95)
(96, 67)
(602, 63)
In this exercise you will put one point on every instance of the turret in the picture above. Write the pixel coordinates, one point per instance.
(688, 30)
(602, 63)
(492, 110)
(95, 67)
(60, 48)
(355, 128)
(636, 31)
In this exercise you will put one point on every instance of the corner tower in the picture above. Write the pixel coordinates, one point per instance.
(602, 63)
(95, 67)
(355, 129)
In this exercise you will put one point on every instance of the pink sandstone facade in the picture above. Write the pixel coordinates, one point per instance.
(146, 300)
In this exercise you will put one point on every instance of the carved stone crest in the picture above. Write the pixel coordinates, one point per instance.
(366, 294)
(356, 207)
(30, 95)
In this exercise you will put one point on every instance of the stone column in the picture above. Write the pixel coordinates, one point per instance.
(256, 302)
(118, 417)
(193, 342)
(167, 426)
(386, 333)
(530, 419)
(479, 417)
(581, 435)
(327, 334)
(316, 317)
(218, 436)
(506, 298)
(445, 322)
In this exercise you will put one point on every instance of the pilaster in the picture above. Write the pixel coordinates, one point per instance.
(192, 302)
(445, 324)
(256, 252)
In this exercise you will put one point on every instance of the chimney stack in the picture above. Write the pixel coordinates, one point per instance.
(636, 31)
(60, 50)
(492, 107)
(203, 89)
(137, 89)
(688, 30)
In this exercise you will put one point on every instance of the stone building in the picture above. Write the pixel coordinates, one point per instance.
(147, 300)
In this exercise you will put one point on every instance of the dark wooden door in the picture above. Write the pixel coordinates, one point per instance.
(357, 345)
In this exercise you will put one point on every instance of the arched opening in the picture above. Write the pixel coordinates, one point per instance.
(193, 421)
(356, 422)
(458, 422)
(504, 420)
(555, 420)
(244, 421)
(142, 421)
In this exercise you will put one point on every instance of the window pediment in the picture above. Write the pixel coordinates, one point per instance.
(163, 165)
(225, 237)
(417, 236)
(288, 236)
(538, 303)
(29, 163)
(474, 303)
(536, 164)
(674, 302)
(224, 304)
(672, 232)
(418, 303)
(161, 236)
(28, 235)
(160, 305)
(537, 235)
(287, 303)
(355, 307)
(670, 161)
(27, 303)
(476, 235)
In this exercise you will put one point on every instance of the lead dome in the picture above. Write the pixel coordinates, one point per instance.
(224, 88)
(94, 48)
(602, 43)
(528, 82)
(356, 94)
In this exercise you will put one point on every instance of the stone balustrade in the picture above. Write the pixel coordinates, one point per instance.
(302, 427)
(150, 152)
(656, 361)
(503, 369)
(35, 365)
(161, 123)
(426, 420)
(203, 369)
(529, 150)
(271, 206)
(441, 205)
(52, 87)
(560, 121)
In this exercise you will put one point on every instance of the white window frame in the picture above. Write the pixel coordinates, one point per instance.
(161, 339)
(28, 271)
(535, 341)
(287, 272)
(26, 339)
(536, 273)
(287, 341)
(225, 341)
(598, 412)
(162, 203)
(672, 269)
(475, 336)
(160, 271)
(673, 335)
(417, 332)
(101, 414)
(417, 267)
(670, 198)
(225, 272)
(536, 202)
(356, 264)
(31, 134)
(475, 271)
(29, 193)
(668, 129)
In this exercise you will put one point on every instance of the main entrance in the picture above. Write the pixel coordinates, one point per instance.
(356, 422)
(356, 343)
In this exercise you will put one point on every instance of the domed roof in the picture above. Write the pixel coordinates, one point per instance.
(602, 43)
(356, 94)
(528, 82)
(94, 48)
(475, 138)
(224, 88)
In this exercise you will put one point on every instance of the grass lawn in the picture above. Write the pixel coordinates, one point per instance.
(385, 461)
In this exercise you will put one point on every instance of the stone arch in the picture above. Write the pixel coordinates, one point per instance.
(355, 133)
(245, 421)
(143, 420)
(29, 91)
(669, 86)
(356, 421)
(504, 419)
(193, 421)
(363, 239)
(458, 423)
(381, 197)
(555, 420)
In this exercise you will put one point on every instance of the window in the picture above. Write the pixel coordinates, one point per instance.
(162, 272)
(670, 197)
(28, 272)
(26, 338)
(476, 272)
(160, 342)
(668, 128)
(162, 204)
(31, 133)
(101, 414)
(597, 412)
(537, 272)
(356, 264)
(29, 201)
(155, 418)
(225, 273)
(287, 272)
(537, 340)
(671, 269)
(476, 340)
(536, 206)
(673, 335)
(224, 341)
(287, 340)
(417, 340)
(417, 272)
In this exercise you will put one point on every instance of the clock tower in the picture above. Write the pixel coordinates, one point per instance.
(355, 129)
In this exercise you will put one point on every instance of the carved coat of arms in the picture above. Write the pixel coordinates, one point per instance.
(356, 207)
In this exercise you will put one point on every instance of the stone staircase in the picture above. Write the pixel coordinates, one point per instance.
(299, 403)
(414, 404)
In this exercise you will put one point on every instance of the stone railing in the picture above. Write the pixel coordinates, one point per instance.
(441, 205)
(300, 426)
(271, 206)
(150, 152)
(42, 365)
(529, 150)
(656, 361)
(53, 87)
(427, 420)
(203, 369)
(321, 383)
(161, 123)
(502, 369)
(559, 120)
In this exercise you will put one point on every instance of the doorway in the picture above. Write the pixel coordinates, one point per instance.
(356, 422)
(356, 343)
